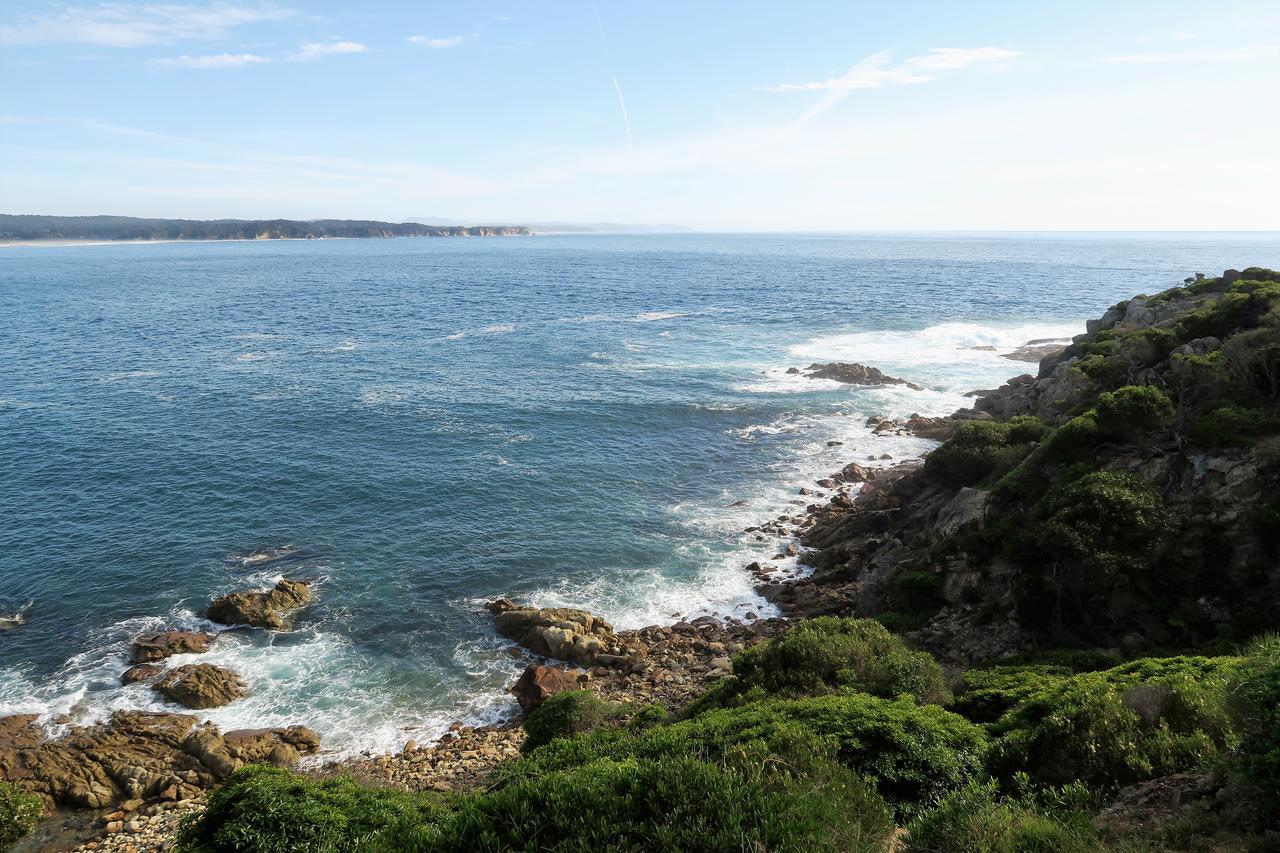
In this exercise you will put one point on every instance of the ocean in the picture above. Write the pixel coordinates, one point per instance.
(419, 425)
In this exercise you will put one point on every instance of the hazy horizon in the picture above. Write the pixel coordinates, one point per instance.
(820, 116)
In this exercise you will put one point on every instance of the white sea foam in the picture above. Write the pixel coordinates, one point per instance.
(651, 316)
(257, 355)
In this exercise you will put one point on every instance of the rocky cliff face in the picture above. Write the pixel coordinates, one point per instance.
(1128, 494)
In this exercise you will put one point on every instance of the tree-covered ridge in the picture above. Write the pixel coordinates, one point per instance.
(21, 227)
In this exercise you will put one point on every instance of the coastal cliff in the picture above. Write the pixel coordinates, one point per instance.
(39, 228)
(1050, 633)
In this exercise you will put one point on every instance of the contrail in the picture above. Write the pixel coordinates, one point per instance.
(622, 104)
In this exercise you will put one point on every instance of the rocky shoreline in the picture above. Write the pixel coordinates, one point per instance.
(665, 665)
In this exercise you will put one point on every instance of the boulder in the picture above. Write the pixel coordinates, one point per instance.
(201, 685)
(852, 373)
(562, 632)
(539, 683)
(1036, 351)
(140, 672)
(135, 755)
(261, 609)
(154, 647)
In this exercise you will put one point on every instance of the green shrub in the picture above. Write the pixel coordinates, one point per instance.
(1226, 426)
(268, 810)
(990, 693)
(1107, 522)
(566, 714)
(20, 811)
(1106, 370)
(1132, 409)
(969, 455)
(1255, 709)
(671, 803)
(1025, 429)
(825, 655)
(912, 752)
(976, 819)
(1133, 722)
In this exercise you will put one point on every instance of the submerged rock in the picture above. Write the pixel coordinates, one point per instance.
(154, 647)
(1037, 350)
(140, 672)
(201, 685)
(261, 609)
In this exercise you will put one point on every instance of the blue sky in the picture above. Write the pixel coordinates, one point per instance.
(718, 115)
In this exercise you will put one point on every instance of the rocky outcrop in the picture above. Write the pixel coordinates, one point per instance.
(270, 609)
(201, 685)
(136, 755)
(562, 633)
(1037, 350)
(154, 647)
(539, 683)
(852, 373)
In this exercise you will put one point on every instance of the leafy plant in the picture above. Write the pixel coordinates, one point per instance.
(20, 811)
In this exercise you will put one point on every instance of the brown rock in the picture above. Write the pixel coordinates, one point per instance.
(855, 374)
(201, 685)
(154, 647)
(140, 672)
(564, 633)
(261, 609)
(539, 683)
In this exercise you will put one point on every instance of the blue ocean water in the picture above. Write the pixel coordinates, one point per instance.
(420, 425)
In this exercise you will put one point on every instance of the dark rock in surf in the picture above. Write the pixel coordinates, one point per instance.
(852, 373)
(153, 647)
(261, 609)
(201, 685)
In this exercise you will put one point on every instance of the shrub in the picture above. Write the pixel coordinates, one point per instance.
(269, 810)
(975, 819)
(990, 693)
(824, 655)
(1227, 425)
(1143, 719)
(1107, 522)
(969, 455)
(912, 753)
(1132, 409)
(20, 811)
(1255, 709)
(566, 714)
(670, 803)
(1106, 370)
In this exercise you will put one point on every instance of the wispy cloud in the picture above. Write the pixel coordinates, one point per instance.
(309, 52)
(1194, 56)
(622, 103)
(437, 42)
(126, 25)
(877, 71)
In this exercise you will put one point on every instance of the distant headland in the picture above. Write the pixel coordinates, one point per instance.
(22, 228)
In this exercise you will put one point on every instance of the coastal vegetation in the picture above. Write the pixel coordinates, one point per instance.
(35, 228)
(1085, 584)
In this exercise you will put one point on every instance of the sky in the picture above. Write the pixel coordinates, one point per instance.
(714, 115)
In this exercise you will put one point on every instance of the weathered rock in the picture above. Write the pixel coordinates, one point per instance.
(562, 632)
(539, 683)
(140, 672)
(201, 685)
(154, 647)
(1036, 351)
(852, 373)
(259, 609)
(135, 756)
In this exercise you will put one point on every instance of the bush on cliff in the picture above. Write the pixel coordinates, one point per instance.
(913, 753)
(1227, 426)
(1254, 694)
(982, 449)
(564, 715)
(667, 803)
(1146, 718)
(826, 655)
(20, 811)
(268, 810)
(1133, 409)
(977, 819)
